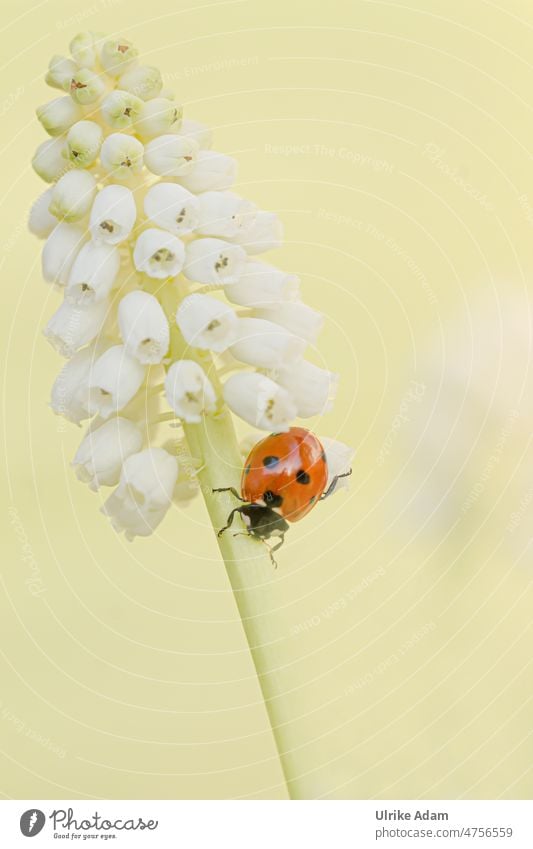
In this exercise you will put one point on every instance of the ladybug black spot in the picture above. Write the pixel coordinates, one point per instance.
(302, 476)
(270, 461)
(271, 499)
(323, 456)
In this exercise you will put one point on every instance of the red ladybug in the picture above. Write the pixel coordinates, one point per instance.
(284, 476)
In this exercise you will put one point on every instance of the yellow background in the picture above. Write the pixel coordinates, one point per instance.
(129, 675)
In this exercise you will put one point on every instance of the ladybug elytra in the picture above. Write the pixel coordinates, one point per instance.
(284, 476)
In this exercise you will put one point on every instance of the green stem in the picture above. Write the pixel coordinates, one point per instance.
(213, 442)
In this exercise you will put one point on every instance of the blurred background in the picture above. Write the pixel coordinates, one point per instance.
(395, 143)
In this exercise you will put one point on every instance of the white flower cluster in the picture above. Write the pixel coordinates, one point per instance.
(138, 203)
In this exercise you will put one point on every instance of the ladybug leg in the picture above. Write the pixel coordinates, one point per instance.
(333, 484)
(275, 548)
(230, 520)
(232, 490)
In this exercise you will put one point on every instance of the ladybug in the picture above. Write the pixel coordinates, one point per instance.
(284, 476)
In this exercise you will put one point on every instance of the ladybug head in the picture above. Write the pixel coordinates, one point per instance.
(262, 521)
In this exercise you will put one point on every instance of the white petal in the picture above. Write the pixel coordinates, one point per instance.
(144, 493)
(113, 215)
(304, 322)
(312, 388)
(117, 56)
(259, 401)
(84, 140)
(83, 49)
(143, 327)
(59, 252)
(339, 458)
(122, 156)
(188, 390)
(224, 214)
(206, 323)
(60, 70)
(121, 109)
(93, 274)
(213, 261)
(201, 134)
(158, 254)
(211, 171)
(114, 380)
(264, 344)
(72, 195)
(263, 234)
(157, 117)
(262, 285)
(69, 392)
(71, 328)
(86, 87)
(170, 155)
(144, 81)
(58, 115)
(152, 473)
(172, 207)
(102, 452)
(41, 222)
(48, 160)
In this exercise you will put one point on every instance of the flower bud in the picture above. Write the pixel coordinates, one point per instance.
(114, 379)
(49, 161)
(71, 328)
(143, 327)
(200, 133)
(121, 155)
(264, 344)
(313, 389)
(83, 143)
(158, 254)
(102, 452)
(58, 115)
(93, 274)
(72, 195)
(300, 319)
(69, 392)
(157, 117)
(170, 155)
(121, 109)
(40, 221)
(211, 172)
(143, 81)
(206, 323)
(144, 494)
(224, 214)
(172, 207)
(188, 391)
(83, 49)
(59, 252)
(85, 87)
(262, 285)
(117, 56)
(338, 458)
(60, 71)
(113, 215)
(264, 233)
(213, 261)
(259, 401)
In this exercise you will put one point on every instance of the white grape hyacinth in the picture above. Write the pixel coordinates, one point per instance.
(168, 316)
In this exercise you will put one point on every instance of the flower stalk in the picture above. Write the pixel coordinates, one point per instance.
(213, 444)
